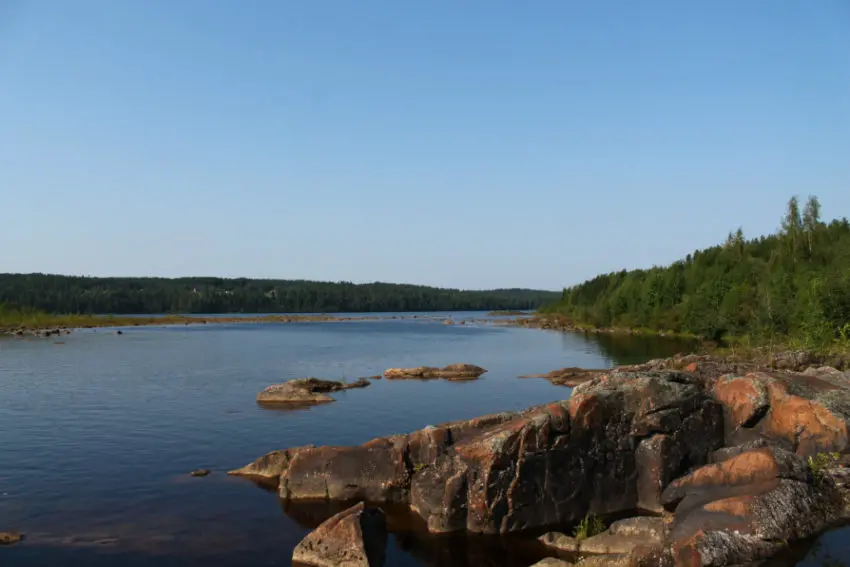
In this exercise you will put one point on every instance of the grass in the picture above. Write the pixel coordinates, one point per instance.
(821, 462)
(749, 347)
(589, 526)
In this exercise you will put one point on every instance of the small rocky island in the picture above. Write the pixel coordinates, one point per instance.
(305, 391)
(730, 462)
(452, 373)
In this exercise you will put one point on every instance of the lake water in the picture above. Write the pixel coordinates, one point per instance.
(98, 433)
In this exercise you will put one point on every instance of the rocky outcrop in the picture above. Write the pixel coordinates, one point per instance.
(510, 472)
(305, 391)
(740, 460)
(452, 373)
(356, 537)
(747, 508)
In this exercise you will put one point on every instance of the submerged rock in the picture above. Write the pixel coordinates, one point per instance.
(200, 472)
(305, 391)
(570, 377)
(10, 538)
(452, 372)
(356, 537)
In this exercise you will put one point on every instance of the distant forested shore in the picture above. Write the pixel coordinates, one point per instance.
(792, 287)
(91, 295)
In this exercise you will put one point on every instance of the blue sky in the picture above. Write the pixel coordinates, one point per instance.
(467, 144)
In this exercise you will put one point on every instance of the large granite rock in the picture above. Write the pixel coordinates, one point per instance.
(305, 391)
(510, 472)
(452, 373)
(356, 537)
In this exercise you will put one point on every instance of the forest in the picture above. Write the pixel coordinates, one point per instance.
(89, 295)
(791, 286)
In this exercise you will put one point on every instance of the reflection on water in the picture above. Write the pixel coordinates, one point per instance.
(99, 434)
(622, 349)
(832, 549)
(411, 539)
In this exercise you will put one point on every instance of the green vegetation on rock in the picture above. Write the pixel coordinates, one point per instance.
(792, 287)
(589, 526)
(68, 294)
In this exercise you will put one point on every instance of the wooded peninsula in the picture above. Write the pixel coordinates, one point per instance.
(791, 287)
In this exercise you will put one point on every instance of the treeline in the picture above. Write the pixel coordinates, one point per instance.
(86, 295)
(792, 285)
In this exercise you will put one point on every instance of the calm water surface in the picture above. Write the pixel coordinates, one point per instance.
(98, 433)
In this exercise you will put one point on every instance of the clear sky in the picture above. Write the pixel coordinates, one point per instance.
(469, 144)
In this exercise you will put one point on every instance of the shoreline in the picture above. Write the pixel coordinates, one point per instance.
(561, 323)
(743, 348)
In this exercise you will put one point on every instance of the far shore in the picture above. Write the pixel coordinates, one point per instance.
(47, 325)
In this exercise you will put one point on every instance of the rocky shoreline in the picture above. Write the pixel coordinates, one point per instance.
(560, 323)
(727, 462)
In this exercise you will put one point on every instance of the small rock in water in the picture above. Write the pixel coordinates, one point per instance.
(200, 472)
(10, 538)
(119, 332)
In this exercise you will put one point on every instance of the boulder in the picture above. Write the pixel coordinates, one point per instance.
(510, 472)
(305, 391)
(356, 537)
(559, 542)
(622, 537)
(792, 360)
(650, 528)
(452, 373)
(552, 562)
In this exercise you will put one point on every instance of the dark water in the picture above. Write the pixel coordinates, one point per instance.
(97, 434)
